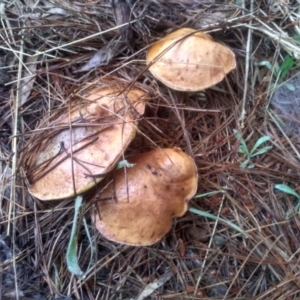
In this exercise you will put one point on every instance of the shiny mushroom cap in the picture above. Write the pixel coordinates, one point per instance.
(189, 60)
(84, 142)
(138, 208)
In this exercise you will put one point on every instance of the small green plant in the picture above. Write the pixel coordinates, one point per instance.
(286, 66)
(286, 189)
(256, 150)
(71, 257)
(280, 71)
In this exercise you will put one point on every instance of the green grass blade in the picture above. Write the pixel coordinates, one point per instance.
(261, 151)
(86, 228)
(210, 216)
(71, 258)
(259, 142)
(286, 189)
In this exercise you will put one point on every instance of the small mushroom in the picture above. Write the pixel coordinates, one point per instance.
(138, 206)
(81, 144)
(189, 60)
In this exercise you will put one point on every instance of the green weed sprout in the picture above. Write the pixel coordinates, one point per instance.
(280, 71)
(256, 150)
(286, 189)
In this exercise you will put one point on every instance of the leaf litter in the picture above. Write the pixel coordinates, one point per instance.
(62, 37)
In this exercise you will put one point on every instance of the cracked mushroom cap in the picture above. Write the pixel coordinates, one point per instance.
(83, 143)
(138, 209)
(189, 60)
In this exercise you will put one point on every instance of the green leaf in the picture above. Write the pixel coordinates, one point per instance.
(72, 260)
(276, 69)
(259, 142)
(86, 228)
(244, 164)
(297, 208)
(241, 150)
(290, 86)
(243, 145)
(265, 63)
(288, 62)
(286, 66)
(286, 189)
(210, 216)
(261, 151)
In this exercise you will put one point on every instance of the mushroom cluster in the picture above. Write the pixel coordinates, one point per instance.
(82, 144)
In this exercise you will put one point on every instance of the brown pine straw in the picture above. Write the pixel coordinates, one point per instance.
(206, 259)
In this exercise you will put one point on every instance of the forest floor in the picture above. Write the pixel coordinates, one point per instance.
(242, 134)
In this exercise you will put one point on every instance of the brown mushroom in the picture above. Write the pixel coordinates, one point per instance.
(189, 60)
(82, 143)
(138, 208)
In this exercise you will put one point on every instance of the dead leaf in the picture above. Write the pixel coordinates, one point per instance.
(122, 15)
(151, 287)
(104, 56)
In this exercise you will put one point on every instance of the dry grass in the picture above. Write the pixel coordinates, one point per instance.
(43, 47)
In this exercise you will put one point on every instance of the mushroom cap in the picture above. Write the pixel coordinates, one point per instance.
(189, 60)
(83, 143)
(138, 208)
